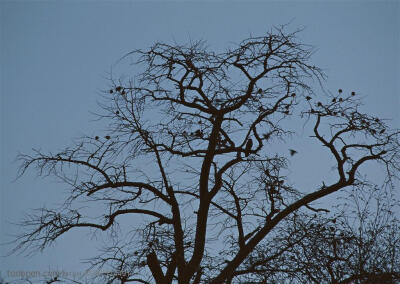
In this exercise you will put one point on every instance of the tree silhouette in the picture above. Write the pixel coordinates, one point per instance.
(177, 154)
(360, 243)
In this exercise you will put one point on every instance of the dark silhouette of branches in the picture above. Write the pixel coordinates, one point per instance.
(358, 244)
(187, 150)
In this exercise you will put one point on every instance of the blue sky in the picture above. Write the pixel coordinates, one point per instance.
(56, 57)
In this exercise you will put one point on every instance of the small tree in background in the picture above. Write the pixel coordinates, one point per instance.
(360, 243)
(187, 149)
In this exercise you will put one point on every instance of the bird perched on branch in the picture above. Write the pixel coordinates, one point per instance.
(198, 133)
(248, 147)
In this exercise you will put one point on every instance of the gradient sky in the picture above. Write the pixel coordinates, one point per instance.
(56, 57)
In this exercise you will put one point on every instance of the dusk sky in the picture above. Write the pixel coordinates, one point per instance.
(56, 58)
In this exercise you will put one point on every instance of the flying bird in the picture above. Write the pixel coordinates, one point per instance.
(248, 147)
(292, 152)
(266, 136)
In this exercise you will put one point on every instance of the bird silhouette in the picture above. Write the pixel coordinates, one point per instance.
(198, 133)
(259, 91)
(248, 147)
(340, 91)
(107, 137)
(308, 98)
(333, 100)
(293, 94)
(353, 93)
(292, 152)
(111, 91)
(97, 137)
(119, 88)
(340, 100)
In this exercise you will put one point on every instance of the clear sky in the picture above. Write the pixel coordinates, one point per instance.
(55, 57)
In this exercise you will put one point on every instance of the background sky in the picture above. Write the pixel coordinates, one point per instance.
(56, 56)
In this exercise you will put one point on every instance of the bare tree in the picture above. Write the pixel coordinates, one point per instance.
(187, 149)
(360, 243)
